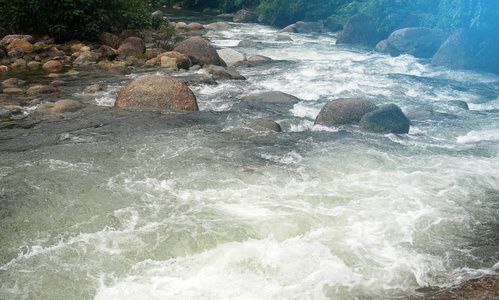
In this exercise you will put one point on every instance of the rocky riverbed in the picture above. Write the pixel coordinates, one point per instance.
(256, 170)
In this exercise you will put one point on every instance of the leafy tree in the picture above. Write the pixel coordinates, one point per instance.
(66, 19)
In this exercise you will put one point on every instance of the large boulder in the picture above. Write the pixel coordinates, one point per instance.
(131, 46)
(25, 45)
(272, 97)
(386, 119)
(361, 30)
(231, 56)
(9, 38)
(181, 60)
(420, 42)
(455, 52)
(463, 50)
(245, 16)
(344, 111)
(157, 92)
(200, 52)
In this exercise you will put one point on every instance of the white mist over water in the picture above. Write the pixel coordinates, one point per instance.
(194, 211)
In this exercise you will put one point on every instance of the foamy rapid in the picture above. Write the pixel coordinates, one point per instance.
(199, 206)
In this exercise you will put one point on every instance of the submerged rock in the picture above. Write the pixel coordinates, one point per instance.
(92, 89)
(219, 25)
(386, 119)
(265, 125)
(272, 97)
(221, 73)
(420, 42)
(304, 27)
(344, 111)
(200, 52)
(157, 92)
(483, 288)
(361, 30)
(41, 89)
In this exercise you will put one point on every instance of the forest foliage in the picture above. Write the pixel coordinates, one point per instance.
(84, 18)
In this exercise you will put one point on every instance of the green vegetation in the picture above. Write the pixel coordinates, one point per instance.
(65, 19)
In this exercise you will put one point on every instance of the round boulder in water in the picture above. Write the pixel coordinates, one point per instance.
(157, 92)
(361, 30)
(386, 119)
(231, 56)
(344, 111)
(200, 52)
(417, 41)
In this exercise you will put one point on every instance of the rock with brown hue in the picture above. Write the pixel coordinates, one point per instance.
(483, 288)
(181, 25)
(16, 52)
(154, 52)
(57, 110)
(344, 111)
(77, 47)
(51, 52)
(92, 89)
(110, 40)
(195, 26)
(13, 82)
(157, 92)
(9, 38)
(4, 68)
(13, 91)
(33, 65)
(200, 52)
(26, 46)
(61, 106)
(86, 57)
(168, 62)
(219, 25)
(182, 60)
(131, 46)
(41, 89)
(52, 65)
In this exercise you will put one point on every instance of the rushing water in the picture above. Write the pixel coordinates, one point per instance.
(194, 210)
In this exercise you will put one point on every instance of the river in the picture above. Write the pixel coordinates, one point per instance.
(190, 209)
